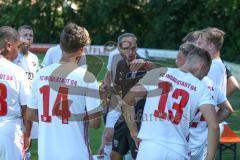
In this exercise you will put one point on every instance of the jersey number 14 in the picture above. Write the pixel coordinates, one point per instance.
(61, 100)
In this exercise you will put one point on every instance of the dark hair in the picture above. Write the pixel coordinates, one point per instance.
(74, 37)
(24, 27)
(8, 34)
(126, 35)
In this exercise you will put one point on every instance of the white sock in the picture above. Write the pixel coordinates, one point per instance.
(107, 150)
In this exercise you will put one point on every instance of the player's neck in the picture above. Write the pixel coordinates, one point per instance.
(26, 54)
(68, 60)
(216, 55)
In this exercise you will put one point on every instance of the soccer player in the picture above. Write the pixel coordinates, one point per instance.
(26, 59)
(14, 92)
(128, 71)
(172, 98)
(198, 127)
(232, 84)
(28, 62)
(61, 93)
(113, 114)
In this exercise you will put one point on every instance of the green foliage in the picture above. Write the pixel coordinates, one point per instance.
(157, 23)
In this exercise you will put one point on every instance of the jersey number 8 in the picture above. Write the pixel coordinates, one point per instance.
(3, 96)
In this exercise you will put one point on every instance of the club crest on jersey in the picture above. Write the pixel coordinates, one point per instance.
(115, 143)
(34, 64)
(136, 74)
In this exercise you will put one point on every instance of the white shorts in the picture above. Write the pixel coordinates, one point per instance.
(221, 127)
(112, 118)
(34, 131)
(199, 153)
(11, 141)
(155, 151)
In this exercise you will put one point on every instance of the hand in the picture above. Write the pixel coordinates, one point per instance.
(101, 150)
(103, 91)
(26, 142)
(134, 137)
(136, 64)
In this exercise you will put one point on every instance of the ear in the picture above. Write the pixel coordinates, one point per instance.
(211, 46)
(8, 46)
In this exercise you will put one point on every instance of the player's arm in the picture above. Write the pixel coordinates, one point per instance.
(210, 116)
(232, 85)
(96, 121)
(225, 111)
(138, 64)
(225, 108)
(32, 114)
(136, 93)
(93, 107)
(27, 128)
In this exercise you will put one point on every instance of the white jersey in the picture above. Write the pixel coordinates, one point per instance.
(218, 75)
(198, 127)
(14, 92)
(58, 132)
(166, 118)
(28, 63)
(53, 55)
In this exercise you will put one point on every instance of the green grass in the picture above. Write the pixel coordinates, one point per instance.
(97, 65)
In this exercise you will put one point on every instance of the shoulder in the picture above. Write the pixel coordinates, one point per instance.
(53, 49)
(218, 64)
(32, 55)
(16, 70)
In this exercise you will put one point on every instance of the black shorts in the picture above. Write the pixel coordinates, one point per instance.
(122, 141)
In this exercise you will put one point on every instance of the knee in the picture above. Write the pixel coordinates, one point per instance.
(115, 156)
(108, 136)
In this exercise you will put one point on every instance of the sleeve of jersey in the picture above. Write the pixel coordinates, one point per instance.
(92, 96)
(37, 63)
(214, 74)
(206, 97)
(46, 59)
(221, 97)
(24, 91)
(32, 100)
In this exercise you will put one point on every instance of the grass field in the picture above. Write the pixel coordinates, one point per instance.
(97, 65)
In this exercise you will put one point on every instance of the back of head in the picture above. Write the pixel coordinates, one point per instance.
(214, 36)
(73, 38)
(7, 34)
(191, 37)
(186, 48)
(199, 56)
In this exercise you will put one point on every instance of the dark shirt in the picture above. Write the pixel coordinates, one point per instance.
(125, 79)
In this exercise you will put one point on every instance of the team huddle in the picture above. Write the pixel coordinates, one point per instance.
(149, 112)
